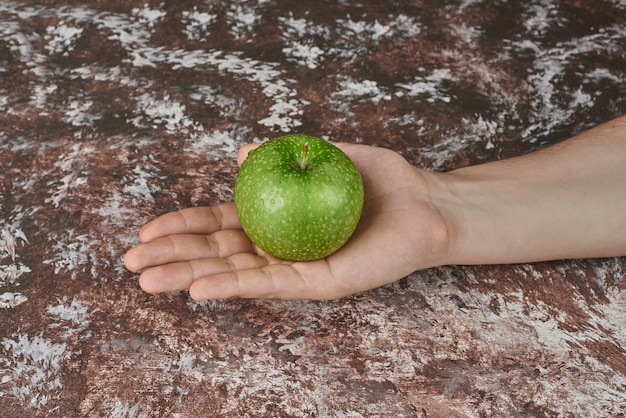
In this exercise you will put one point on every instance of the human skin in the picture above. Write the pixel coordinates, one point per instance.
(565, 201)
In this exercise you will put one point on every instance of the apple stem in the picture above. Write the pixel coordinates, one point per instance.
(305, 150)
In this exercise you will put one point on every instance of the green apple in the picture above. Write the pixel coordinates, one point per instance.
(298, 197)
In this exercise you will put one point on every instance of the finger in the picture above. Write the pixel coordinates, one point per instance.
(272, 281)
(197, 220)
(244, 150)
(311, 280)
(179, 276)
(173, 248)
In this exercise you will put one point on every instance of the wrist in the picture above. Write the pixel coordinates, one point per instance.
(484, 218)
(444, 222)
(469, 224)
(442, 195)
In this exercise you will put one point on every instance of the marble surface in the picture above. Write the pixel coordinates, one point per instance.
(113, 112)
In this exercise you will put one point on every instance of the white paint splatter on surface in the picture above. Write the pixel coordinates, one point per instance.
(32, 367)
(165, 112)
(218, 144)
(74, 254)
(11, 300)
(61, 38)
(12, 239)
(429, 87)
(73, 169)
(72, 317)
(197, 24)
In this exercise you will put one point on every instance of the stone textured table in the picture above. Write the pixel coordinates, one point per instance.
(114, 112)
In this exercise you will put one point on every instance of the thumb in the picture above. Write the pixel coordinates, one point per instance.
(244, 150)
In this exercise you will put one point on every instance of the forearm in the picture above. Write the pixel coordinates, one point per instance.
(566, 201)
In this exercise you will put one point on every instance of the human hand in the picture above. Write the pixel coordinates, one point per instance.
(204, 250)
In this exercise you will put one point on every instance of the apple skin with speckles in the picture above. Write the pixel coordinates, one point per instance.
(298, 197)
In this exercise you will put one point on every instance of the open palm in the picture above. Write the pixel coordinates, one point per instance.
(204, 250)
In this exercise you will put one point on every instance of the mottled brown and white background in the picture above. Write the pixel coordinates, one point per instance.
(114, 112)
